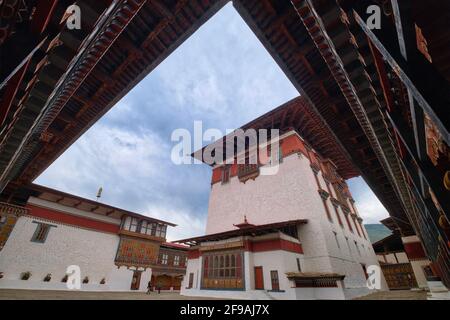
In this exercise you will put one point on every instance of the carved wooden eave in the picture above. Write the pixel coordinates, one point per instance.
(159, 270)
(323, 47)
(132, 234)
(133, 266)
(314, 276)
(6, 208)
(107, 67)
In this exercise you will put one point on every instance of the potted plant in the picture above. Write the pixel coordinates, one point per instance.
(48, 277)
(25, 275)
(86, 280)
(103, 281)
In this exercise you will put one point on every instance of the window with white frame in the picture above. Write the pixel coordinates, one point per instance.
(336, 239)
(126, 223)
(158, 230)
(41, 232)
(146, 227)
(134, 225)
(357, 247)
(164, 258)
(161, 230)
(348, 246)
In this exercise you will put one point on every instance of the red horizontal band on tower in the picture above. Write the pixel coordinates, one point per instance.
(193, 254)
(261, 246)
(274, 244)
(64, 218)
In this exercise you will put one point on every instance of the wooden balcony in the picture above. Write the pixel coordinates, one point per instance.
(247, 171)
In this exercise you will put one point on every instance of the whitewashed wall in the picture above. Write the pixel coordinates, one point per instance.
(292, 194)
(283, 262)
(65, 245)
(417, 266)
(193, 266)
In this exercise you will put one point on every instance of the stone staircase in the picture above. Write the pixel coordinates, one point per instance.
(259, 295)
(437, 291)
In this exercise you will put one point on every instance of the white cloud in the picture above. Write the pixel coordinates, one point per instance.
(124, 163)
(106, 156)
(371, 209)
(223, 73)
(188, 224)
(367, 203)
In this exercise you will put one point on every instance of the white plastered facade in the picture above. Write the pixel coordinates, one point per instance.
(289, 195)
(65, 245)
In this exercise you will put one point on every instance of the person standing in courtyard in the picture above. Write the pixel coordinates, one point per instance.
(149, 287)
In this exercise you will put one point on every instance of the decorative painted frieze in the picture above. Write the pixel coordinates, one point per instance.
(8, 217)
(6, 208)
(137, 253)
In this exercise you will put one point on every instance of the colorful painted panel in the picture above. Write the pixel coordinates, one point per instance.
(7, 223)
(136, 252)
(8, 218)
(223, 270)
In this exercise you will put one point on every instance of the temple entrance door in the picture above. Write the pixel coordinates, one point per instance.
(136, 280)
(259, 279)
(399, 276)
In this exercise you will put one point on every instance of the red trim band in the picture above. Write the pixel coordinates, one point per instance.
(57, 216)
(414, 250)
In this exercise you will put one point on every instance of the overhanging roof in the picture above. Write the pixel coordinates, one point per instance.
(314, 275)
(146, 32)
(253, 231)
(81, 203)
(297, 115)
(391, 243)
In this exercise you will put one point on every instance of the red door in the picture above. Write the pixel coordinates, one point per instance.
(259, 279)
(135, 281)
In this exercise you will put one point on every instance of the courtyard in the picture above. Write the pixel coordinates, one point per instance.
(396, 295)
(14, 294)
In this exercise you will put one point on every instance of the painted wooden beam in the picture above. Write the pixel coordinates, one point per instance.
(429, 88)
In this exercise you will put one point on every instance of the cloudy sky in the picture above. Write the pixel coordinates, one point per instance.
(222, 76)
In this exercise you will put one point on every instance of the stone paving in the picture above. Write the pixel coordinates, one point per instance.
(396, 295)
(13, 294)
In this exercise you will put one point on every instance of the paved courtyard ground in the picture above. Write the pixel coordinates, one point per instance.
(396, 295)
(13, 294)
